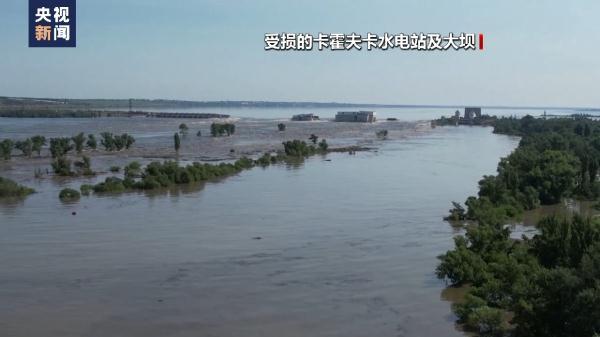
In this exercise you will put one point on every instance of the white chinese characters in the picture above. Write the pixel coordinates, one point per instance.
(52, 27)
(338, 41)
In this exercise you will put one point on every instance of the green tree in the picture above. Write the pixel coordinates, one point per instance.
(133, 170)
(69, 194)
(107, 140)
(62, 166)
(79, 141)
(183, 128)
(6, 147)
(84, 166)
(91, 142)
(60, 146)
(177, 141)
(10, 189)
(323, 146)
(25, 146)
(37, 143)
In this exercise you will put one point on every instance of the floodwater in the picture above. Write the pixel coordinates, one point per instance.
(403, 113)
(342, 245)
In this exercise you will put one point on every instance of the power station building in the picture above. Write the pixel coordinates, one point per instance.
(355, 116)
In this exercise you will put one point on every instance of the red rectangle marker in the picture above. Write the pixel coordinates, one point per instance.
(481, 41)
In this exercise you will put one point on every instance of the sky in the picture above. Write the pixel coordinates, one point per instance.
(537, 53)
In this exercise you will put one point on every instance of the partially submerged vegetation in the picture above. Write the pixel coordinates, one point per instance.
(10, 189)
(158, 175)
(220, 129)
(555, 159)
(547, 285)
(61, 146)
(69, 194)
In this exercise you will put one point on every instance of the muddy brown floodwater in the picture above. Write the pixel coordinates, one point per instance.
(345, 247)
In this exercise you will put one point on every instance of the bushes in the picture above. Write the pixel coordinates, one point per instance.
(183, 128)
(133, 169)
(115, 142)
(217, 129)
(298, 148)
(168, 173)
(91, 142)
(549, 282)
(37, 143)
(86, 189)
(84, 166)
(60, 146)
(6, 147)
(552, 162)
(176, 142)
(25, 146)
(323, 146)
(10, 189)
(110, 185)
(69, 194)
(78, 141)
(62, 166)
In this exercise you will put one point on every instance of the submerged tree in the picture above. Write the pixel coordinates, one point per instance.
(177, 141)
(25, 146)
(6, 147)
(37, 143)
(217, 129)
(84, 166)
(69, 194)
(313, 138)
(323, 145)
(10, 189)
(183, 128)
(60, 146)
(91, 142)
(79, 141)
(62, 166)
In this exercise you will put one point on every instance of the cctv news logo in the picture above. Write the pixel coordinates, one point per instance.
(52, 23)
(370, 41)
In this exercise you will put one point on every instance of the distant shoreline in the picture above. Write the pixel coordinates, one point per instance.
(136, 104)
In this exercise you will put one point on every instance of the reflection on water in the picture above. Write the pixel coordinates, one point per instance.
(347, 248)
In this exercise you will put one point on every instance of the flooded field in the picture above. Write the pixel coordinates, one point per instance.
(337, 246)
(154, 138)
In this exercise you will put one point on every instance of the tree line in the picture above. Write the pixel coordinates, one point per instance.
(547, 285)
(168, 173)
(61, 146)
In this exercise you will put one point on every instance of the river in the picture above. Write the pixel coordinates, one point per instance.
(344, 245)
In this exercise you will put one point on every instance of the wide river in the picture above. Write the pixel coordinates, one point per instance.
(339, 246)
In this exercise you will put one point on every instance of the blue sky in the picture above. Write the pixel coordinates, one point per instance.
(537, 52)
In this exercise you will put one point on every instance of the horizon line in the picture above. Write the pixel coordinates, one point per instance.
(330, 103)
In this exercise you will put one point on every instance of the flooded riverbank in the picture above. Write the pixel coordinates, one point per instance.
(154, 139)
(345, 247)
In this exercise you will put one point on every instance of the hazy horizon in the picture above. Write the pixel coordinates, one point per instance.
(536, 54)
